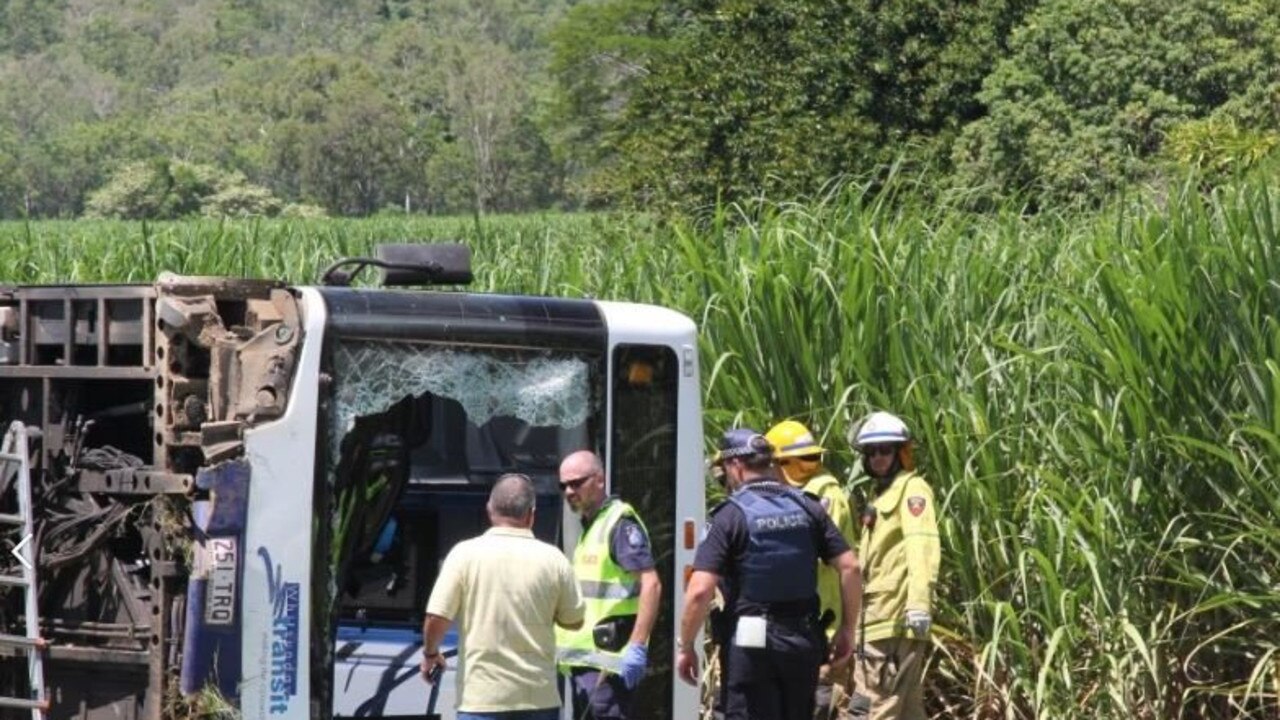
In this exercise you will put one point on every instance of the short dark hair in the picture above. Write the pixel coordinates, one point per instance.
(757, 462)
(512, 496)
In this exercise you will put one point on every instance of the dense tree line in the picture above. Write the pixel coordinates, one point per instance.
(355, 107)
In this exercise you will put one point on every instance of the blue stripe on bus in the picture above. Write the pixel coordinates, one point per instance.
(402, 635)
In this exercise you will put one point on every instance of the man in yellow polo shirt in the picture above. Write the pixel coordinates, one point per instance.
(799, 457)
(506, 590)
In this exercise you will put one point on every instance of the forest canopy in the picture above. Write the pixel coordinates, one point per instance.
(360, 107)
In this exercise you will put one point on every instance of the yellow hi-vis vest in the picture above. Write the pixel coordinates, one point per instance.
(607, 590)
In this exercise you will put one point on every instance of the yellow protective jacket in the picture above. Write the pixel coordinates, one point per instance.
(832, 496)
(900, 554)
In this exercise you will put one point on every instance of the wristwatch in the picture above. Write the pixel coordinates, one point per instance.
(680, 646)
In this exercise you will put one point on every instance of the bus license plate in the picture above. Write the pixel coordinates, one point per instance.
(220, 593)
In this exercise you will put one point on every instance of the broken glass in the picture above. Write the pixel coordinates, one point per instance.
(516, 410)
(542, 390)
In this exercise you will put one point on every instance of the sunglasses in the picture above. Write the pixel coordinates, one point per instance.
(874, 450)
(783, 462)
(575, 483)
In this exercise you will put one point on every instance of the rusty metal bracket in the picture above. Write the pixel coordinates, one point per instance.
(221, 440)
(134, 481)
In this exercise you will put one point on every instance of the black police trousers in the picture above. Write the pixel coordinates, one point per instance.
(776, 682)
(599, 696)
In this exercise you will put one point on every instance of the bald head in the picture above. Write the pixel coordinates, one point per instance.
(511, 500)
(582, 480)
(582, 462)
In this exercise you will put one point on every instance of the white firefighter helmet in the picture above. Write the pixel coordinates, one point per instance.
(880, 428)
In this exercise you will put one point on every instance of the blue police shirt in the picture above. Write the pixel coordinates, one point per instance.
(630, 546)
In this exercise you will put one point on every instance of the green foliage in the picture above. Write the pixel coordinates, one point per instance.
(600, 52)
(500, 105)
(241, 200)
(167, 189)
(28, 26)
(1219, 150)
(730, 101)
(1096, 397)
(11, 188)
(739, 113)
(923, 62)
(1091, 88)
(139, 190)
(302, 211)
(205, 704)
(340, 104)
(487, 58)
(349, 153)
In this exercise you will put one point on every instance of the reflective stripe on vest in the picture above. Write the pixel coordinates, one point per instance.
(573, 657)
(593, 590)
(607, 590)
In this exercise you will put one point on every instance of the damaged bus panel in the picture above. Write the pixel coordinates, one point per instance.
(231, 497)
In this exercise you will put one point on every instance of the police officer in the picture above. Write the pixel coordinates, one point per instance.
(799, 457)
(614, 565)
(761, 549)
(900, 554)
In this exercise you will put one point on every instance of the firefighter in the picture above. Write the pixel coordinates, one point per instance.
(900, 554)
(614, 565)
(800, 459)
(761, 549)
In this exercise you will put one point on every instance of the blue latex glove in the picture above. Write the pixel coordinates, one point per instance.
(634, 659)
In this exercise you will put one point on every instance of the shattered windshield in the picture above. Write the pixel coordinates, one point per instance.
(542, 390)
(418, 433)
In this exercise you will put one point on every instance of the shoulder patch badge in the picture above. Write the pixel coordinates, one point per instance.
(635, 538)
(915, 504)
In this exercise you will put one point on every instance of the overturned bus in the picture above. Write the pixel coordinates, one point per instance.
(230, 498)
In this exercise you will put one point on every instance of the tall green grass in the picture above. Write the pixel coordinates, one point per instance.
(1097, 400)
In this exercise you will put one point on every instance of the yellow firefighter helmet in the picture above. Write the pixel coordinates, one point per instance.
(792, 439)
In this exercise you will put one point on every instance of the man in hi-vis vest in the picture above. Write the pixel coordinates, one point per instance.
(613, 563)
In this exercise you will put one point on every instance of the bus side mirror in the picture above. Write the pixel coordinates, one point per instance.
(407, 264)
(422, 264)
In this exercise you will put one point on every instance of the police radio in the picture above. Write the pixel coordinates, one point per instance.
(611, 634)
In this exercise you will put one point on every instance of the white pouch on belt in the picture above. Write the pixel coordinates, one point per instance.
(750, 632)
